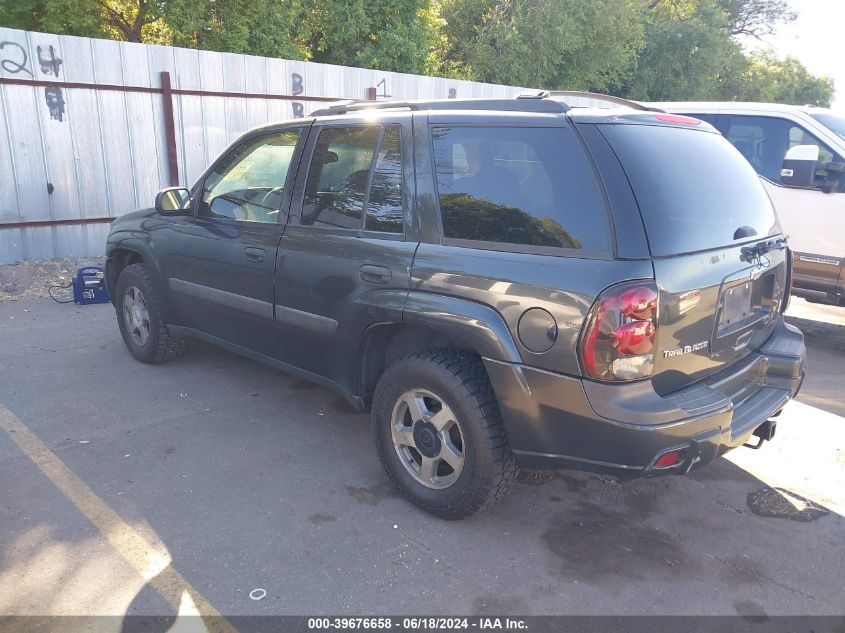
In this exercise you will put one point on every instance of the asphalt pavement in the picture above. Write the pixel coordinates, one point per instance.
(136, 489)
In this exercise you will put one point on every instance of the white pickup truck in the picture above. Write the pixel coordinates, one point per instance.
(799, 153)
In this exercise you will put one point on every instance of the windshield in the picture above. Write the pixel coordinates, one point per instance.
(834, 123)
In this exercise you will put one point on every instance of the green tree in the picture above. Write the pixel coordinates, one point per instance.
(688, 49)
(574, 44)
(236, 26)
(769, 78)
(391, 35)
(70, 17)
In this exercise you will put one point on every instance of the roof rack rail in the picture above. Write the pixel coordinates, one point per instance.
(602, 97)
(533, 94)
(526, 104)
(354, 105)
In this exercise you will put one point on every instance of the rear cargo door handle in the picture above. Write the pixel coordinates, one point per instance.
(374, 274)
(252, 254)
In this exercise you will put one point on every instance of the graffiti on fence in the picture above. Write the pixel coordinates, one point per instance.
(383, 85)
(297, 87)
(51, 64)
(18, 61)
(55, 103)
(8, 62)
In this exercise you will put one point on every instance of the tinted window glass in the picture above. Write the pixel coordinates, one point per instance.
(693, 189)
(834, 123)
(709, 117)
(247, 183)
(764, 142)
(529, 186)
(337, 177)
(384, 206)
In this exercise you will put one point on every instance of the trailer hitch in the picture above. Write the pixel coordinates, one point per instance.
(765, 431)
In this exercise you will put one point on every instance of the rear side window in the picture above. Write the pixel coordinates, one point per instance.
(518, 185)
(354, 167)
(384, 206)
(338, 176)
(694, 190)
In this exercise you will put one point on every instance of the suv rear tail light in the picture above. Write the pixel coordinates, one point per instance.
(618, 338)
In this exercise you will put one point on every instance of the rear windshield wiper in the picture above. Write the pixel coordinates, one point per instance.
(753, 253)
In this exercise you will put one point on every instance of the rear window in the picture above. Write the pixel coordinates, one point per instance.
(693, 188)
(522, 186)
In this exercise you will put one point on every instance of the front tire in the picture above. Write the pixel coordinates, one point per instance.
(440, 434)
(140, 319)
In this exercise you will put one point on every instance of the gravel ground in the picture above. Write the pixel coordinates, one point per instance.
(32, 279)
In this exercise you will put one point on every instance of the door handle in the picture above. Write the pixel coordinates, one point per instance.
(252, 254)
(374, 274)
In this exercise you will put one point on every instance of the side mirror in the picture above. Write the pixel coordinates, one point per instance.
(799, 166)
(173, 200)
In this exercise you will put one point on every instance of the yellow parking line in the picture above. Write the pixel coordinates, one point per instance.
(152, 564)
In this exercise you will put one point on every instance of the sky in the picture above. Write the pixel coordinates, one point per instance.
(815, 38)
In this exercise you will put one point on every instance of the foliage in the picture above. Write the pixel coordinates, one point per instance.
(644, 49)
(574, 44)
(386, 35)
(236, 26)
(688, 49)
(767, 78)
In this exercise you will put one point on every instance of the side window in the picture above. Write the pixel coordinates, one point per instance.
(384, 205)
(337, 177)
(764, 142)
(247, 184)
(518, 185)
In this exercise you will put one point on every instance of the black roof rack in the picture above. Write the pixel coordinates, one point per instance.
(597, 96)
(527, 101)
(522, 104)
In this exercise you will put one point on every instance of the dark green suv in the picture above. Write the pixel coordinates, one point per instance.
(503, 282)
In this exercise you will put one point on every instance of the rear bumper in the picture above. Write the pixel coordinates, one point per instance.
(562, 422)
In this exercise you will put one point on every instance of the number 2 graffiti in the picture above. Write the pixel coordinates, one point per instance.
(12, 66)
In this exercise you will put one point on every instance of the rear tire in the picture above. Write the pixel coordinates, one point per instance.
(140, 320)
(440, 434)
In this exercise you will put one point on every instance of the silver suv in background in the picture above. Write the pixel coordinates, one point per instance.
(799, 153)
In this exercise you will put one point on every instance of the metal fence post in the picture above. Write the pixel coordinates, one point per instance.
(170, 128)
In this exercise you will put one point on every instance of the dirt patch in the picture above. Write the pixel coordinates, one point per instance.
(32, 279)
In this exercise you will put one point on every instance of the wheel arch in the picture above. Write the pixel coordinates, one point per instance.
(125, 252)
(433, 321)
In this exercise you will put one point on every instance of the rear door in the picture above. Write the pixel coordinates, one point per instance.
(705, 211)
(344, 261)
(221, 265)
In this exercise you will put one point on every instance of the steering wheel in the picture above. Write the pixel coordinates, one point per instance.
(264, 199)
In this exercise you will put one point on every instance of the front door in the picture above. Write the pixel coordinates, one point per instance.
(220, 273)
(344, 260)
